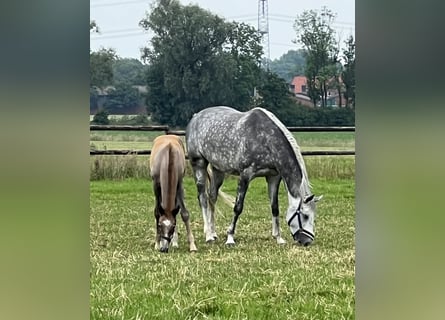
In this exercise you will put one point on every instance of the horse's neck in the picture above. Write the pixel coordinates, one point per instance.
(293, 202)
(291, 163)
(293, 174)
(297, 187)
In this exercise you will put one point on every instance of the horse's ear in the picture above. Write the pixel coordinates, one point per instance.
(161, 210)
(175, 211)
(308, 198)
(312, 197)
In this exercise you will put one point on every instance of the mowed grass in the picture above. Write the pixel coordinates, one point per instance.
(256, 279)
(123, 140)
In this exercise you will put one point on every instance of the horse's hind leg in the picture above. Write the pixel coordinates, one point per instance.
(273, 185)
(216, 179)
(199, 166)
(186, 218)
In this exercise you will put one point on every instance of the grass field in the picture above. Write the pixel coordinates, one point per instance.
(142, 140)
(256, 279)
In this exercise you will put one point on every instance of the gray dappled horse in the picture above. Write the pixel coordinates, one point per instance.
(167, 168)
(249, 144)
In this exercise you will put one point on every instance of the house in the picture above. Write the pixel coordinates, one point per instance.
(298, 86)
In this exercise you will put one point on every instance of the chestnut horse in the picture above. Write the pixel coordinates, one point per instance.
(167, 168)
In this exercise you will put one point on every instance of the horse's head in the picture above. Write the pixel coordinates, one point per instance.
(166, 224)
(301, 221)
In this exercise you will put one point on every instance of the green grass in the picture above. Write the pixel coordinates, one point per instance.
(122, 167)
(142, 140)
(256, 279)
(133, 166)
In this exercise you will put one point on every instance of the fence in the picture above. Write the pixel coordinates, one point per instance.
(167, 130)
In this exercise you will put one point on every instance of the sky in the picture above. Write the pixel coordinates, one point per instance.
(118, 21)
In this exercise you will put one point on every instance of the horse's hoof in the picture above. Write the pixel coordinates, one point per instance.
(230, 241)
(212, 238)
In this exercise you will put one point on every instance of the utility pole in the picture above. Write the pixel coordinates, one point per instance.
(263, 30)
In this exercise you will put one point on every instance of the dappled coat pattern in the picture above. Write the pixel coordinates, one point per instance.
(249, 144)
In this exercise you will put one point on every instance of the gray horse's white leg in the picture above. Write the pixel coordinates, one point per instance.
(200, 171)
(216, 179)
(273, 185)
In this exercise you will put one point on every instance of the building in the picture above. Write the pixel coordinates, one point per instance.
(298, 87)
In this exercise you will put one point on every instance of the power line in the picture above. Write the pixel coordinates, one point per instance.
(293, 18)
(121, 30)
(93, 5)
(118, 36)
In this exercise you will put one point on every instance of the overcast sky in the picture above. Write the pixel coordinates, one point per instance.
(118, 21)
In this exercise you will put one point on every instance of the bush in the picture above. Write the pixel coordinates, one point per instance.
(138, 120)
(101, 117)
(299, 115)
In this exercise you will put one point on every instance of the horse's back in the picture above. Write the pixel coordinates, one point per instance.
(212, 134)
(164, 145)
(232, 141)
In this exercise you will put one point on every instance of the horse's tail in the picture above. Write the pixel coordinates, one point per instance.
(168, 179)
(227, 198)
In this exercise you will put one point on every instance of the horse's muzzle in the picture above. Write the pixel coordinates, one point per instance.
(165, 242)
(303, 238)
(164, 249)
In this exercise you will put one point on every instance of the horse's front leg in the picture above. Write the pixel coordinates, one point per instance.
(186, 218)
(243, 184)
(174, 242)
(273, 185)
(158, 236)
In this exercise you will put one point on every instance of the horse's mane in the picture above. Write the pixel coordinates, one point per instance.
(305, 184)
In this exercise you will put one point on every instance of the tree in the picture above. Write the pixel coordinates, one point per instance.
(129, 71)
(123, 95)
(275, 95)
(93, 26)
(348, 74)
(197, 59)
(101, 73)
(101, 67)
(289, 65)
(101, 117)
(314, 31)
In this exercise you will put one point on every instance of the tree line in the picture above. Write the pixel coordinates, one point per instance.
(197, 59)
